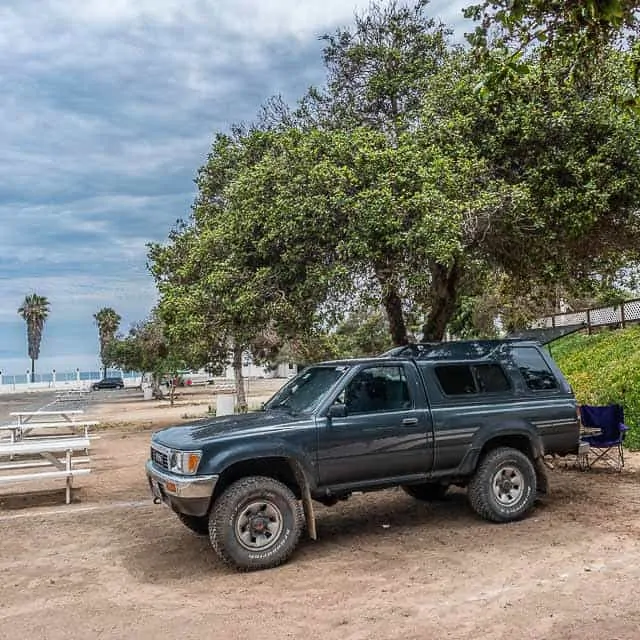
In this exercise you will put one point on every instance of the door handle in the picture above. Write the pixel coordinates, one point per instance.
(408, 421)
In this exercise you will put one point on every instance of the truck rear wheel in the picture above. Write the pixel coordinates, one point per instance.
(503, 487)
(197, 524)
(255, 523)
(428, 491)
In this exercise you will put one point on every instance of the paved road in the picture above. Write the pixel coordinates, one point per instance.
(32, 401)
(23, 402)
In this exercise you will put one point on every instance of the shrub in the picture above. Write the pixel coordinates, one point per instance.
(605, 368)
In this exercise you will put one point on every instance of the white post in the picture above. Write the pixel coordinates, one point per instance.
(69, 476)
(0, 378)
(29, 378)
(53, 378)
(78, 376)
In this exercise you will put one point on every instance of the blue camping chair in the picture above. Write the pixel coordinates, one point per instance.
(605, 446)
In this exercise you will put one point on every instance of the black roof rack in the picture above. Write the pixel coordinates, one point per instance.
(546, 335)
(453, 350)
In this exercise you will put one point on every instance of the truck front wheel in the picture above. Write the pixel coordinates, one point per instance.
(255, 523)
(503, 487)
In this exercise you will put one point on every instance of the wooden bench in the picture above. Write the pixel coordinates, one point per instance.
(40, 454)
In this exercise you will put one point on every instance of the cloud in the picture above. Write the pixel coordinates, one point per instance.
(107, 110)
(77, 298)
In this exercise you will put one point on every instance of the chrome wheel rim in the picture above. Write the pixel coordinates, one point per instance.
(508, 486)
(259, 525)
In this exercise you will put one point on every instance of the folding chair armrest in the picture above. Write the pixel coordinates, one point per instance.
(623, 427)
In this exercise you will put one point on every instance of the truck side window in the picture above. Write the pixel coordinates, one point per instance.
(535, 371)
(456, 379)
(378, 389)
(491, 378)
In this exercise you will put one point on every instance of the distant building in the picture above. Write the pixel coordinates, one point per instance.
(252, 370)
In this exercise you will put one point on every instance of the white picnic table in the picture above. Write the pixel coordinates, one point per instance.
(40, 453)
(27, 421)
(27, 416)
(72, 395)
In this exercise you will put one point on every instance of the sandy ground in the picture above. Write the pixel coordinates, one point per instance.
(113, 565)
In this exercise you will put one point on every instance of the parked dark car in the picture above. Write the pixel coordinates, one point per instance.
(476, 414)
(108, 383)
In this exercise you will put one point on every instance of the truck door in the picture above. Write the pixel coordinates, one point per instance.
(386, 432)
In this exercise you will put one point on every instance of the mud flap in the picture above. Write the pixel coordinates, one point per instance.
(309, 513)
(307, 501)
(542, 479)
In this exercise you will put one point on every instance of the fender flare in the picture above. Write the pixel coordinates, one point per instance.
(298, 461)
(503, 429)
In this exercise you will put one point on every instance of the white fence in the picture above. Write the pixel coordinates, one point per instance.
(11, 384)
(617, 315)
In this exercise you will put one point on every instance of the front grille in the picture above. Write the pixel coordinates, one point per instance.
(159, 458)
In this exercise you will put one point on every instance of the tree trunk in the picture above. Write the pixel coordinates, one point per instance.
(393, 307)
(155, 385)
(104, 371)
(172, 390)
(444, 296)
(239, 378)
(33, 370)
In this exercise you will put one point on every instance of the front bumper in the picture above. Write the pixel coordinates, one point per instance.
(185, 494)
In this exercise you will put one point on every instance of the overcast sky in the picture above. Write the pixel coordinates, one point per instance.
(107, 109)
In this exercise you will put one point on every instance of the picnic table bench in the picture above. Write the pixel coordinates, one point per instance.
(73, 396)
(41, 454)
(73, 392)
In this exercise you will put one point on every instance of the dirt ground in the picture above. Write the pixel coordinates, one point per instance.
(116, 409)
(113, 565)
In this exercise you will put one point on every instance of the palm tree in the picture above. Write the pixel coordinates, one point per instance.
(34, 311)
(108, 322)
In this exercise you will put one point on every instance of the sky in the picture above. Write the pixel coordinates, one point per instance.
(107, 109)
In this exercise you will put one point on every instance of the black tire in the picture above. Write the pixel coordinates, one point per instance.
(492, 477)
(427, 492)
(263, 499)
(197, 524)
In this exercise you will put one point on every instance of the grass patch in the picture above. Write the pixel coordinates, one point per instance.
(603, 368)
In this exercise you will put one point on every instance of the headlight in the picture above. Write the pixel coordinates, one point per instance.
(184, 462)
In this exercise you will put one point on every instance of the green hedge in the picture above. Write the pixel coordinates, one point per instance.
(604, 368)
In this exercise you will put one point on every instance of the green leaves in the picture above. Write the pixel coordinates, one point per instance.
(145, 348)
(398, 186)
(578, 32)
(605, 368)
(107, 321)
(378, 69)
(242, 274)
(34, 311)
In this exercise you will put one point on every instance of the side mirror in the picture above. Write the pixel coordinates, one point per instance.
(337, 411)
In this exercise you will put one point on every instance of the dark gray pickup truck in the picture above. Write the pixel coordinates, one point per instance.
(476, 414)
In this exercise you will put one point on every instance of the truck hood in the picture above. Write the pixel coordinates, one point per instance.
(196, 434)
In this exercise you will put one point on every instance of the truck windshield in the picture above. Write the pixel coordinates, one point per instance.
(305, 391)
